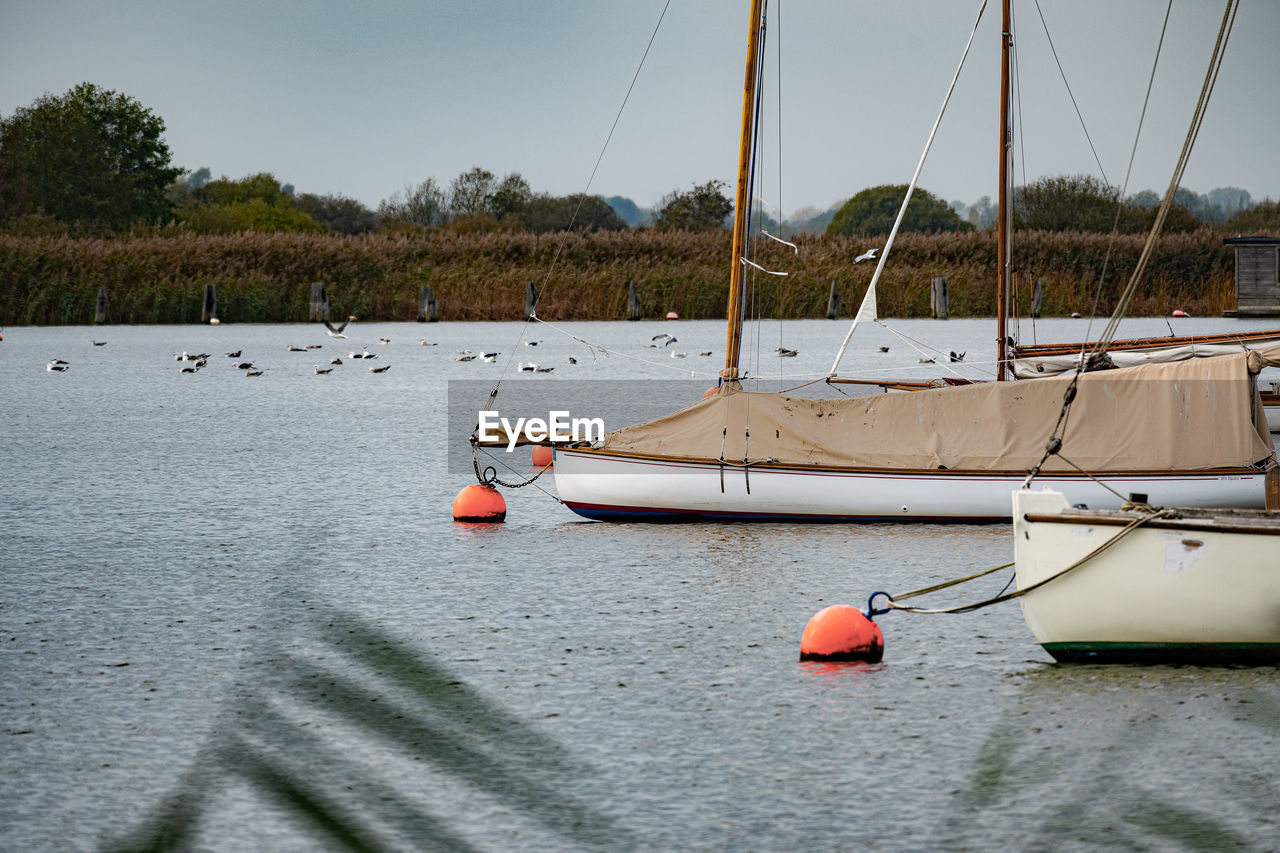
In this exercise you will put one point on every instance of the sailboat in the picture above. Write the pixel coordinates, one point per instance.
(1181, 433)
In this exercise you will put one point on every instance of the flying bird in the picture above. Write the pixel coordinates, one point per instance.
(868, 255)
(335, 333)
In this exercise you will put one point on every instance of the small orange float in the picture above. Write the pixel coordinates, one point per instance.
(479, 502)
(542, 455)
(842, 632)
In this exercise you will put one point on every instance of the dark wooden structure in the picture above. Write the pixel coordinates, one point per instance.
(1257, 276)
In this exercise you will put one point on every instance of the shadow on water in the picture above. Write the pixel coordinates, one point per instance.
(1124, 753)
(278, 740)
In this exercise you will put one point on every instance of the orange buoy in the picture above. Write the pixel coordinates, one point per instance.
(1178, 312)
(671, 315)
(479, 502)
(542, 455)
(842, 632)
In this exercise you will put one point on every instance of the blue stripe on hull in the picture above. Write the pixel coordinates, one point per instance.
(676, 516)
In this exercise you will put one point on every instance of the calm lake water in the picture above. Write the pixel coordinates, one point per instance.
(235, 611)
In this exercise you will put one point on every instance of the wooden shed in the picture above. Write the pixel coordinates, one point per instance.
(1257, 276)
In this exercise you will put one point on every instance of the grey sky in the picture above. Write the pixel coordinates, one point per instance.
(363, 98)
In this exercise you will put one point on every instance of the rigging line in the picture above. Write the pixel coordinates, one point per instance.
(1063, 74)
(569, 230)
(1211, 76)
(1133, 152)
(916, 345)
(902, 211)
(606, 350)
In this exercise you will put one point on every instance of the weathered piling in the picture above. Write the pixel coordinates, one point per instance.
(319, 311)
(100, 308)
(530, 300)
(209, 304)
(634, 311)
(938, 298)
(1037, 297)
(428, 308)
(833, 302)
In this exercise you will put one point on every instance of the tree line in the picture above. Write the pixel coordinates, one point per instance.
(94, 161)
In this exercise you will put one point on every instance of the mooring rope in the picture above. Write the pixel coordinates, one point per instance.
(891, 601)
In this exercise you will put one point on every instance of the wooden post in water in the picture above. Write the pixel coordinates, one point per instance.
(530, 300)
(100, 309)
(833, 302)
(428, 308)
(634, 311)
(209, 304)
(938, 298)
(319, 303)
(1037, 297)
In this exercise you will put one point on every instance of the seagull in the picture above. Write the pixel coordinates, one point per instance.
(235, 354)
(957, 356)
(532, 343)
(384, 340)
(243, 365)
(868, 255)
(675, 354)
(57, 366)
(924, 361)
(572, 360)
(190, 369)
(527, 368)
(292, 348)
(58, 361)
(336, 333)
(326, 370)
(182, 357)
(705, 352)
(670, 341)
(465, 358)
(382, 369)
(783, 352)
(660, 337)
(335, 360)
(884, 349)
(98, 343)
(489, 357)
(313, 346)
(543, 369)
(253, 373)
(201, 362)
(424, 343)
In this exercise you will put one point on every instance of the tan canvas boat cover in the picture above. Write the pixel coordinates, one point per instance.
(1203, 413)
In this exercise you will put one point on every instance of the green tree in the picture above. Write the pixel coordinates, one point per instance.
(91, 157)
(470, 192)
(338, 213)
(424, 205)
(703, 208)
(253, 203)
(510, 196)
(1066, 203)
(874, 210)
(578, 212)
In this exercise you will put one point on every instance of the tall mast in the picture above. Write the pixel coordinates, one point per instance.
(741, 208)
(1002, 201)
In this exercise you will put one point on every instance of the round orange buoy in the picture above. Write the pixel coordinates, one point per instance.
(1178, 312)
(671, 315)
(841, 632)
(542, 456)
(479, 502)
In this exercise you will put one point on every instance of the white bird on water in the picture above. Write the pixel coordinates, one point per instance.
(868, 255)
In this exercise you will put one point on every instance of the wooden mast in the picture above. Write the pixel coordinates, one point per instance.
(741, 208)
(1002, 202)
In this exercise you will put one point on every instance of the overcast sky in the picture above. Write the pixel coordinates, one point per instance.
(363, 97)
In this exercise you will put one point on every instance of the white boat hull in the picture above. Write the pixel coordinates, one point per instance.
(1188, 590)
(610, 487)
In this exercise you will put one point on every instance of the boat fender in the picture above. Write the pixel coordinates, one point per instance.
(479, 502)
(542, 455)
(841, 632)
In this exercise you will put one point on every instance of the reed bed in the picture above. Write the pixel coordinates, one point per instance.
(266, 277)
